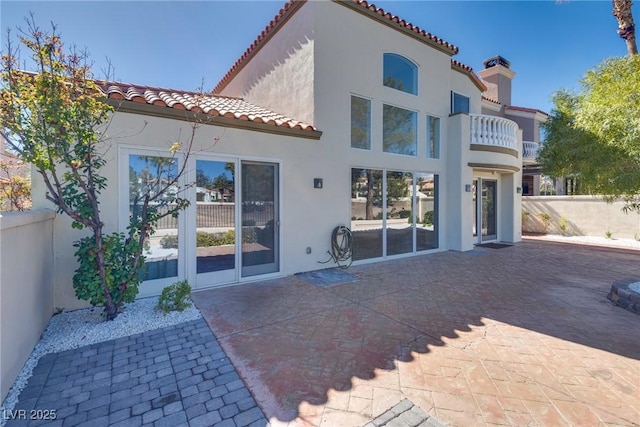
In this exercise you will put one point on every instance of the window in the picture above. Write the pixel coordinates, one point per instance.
(459, 103)
(400, 73)
(360, 123)
(399, 131)
(393, 212)
(147, 175)
(433, 137)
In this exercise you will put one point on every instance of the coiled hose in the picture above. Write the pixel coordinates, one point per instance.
(341, 247)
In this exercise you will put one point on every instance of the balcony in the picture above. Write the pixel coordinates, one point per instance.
(530, 152)
(493, 133)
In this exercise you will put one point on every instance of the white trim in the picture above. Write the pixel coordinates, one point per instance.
(149, 287)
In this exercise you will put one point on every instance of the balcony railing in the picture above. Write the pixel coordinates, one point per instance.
(530, 151)
(494, 131)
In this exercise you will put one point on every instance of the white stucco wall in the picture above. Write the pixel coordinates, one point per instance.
(26, 291)
(583, 215)
(280, 75)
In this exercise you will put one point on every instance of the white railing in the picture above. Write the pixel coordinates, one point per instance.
(530, 150)
(492, 130)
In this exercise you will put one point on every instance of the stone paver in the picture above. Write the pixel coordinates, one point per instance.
(517, 336)
(155, 379)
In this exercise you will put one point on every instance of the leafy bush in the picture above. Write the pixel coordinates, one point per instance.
(169, 242)
(405, 214)
(204, 239)
(121, 273)
(428, 218)
(175, 297)
(563, 223)
(546, 220)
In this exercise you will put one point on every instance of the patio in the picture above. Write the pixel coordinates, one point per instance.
(517, 336)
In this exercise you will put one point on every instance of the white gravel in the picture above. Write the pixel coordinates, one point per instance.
(78, 328)
(592, 240)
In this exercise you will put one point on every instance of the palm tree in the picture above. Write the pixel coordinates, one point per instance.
(626, 27)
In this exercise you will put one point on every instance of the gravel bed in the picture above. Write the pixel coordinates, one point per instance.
(79, 328)
(592, 240)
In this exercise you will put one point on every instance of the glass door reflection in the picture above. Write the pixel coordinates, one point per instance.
(260, 218)
(215, 238)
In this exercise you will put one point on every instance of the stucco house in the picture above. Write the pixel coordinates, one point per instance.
(338, 114)
(496, 101)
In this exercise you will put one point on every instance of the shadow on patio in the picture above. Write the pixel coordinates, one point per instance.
(504, 336)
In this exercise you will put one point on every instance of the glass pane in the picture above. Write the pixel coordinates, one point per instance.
(398, 210)
(215, 216)
(426, 211)
(366, 213)
(474, 192)
(460, 103)
(147, 175)
(259, 219)
(400, 73)
(489, 209)
(360, 123)
(399, 129)
(433, 135)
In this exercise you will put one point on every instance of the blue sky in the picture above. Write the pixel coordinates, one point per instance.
(176, 44)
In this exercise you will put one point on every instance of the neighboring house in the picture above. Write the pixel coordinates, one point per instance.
(496, 101)
(365, 121)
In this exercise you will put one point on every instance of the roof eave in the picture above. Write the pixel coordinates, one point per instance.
(353, 5)
(262, 39)
(474, 78)
(125, 106)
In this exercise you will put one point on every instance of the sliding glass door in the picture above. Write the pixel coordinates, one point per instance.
(260, 218)
(393, 212)
(215, 222)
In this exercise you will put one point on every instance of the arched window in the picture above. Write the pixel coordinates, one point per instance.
(400, 73)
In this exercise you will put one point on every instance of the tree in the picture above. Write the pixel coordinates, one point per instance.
(56, 119)
(595, 134)
(626, 26)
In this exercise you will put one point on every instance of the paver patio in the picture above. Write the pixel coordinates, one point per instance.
(517, 336)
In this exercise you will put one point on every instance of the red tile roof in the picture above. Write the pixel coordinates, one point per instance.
(526, 110)
(486, 98)
(459, 66)
(402, 23)
(213, 105)
(293, 5)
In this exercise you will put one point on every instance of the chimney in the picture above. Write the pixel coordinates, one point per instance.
(498, 74)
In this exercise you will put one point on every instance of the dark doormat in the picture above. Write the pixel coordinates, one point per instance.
(494, 245)
(327, 277)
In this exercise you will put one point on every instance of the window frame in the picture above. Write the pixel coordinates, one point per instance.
(453, 95)
(153, 286)
(435, 152)
(405, 61)
(415, 128)
(370, 122)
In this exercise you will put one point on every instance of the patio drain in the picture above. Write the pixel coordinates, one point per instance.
(626, 294)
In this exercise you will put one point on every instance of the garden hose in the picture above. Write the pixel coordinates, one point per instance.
(341, 247)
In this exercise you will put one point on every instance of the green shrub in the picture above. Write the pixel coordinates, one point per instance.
(175, 297)
(122, 273)
(204, 239)
(428, 218)
(545, 218)
(608, 234)
(405, 214)
(563, 223)
(169, 242)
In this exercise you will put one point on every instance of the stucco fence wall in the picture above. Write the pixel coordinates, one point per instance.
(26, 290)
(582, 216)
